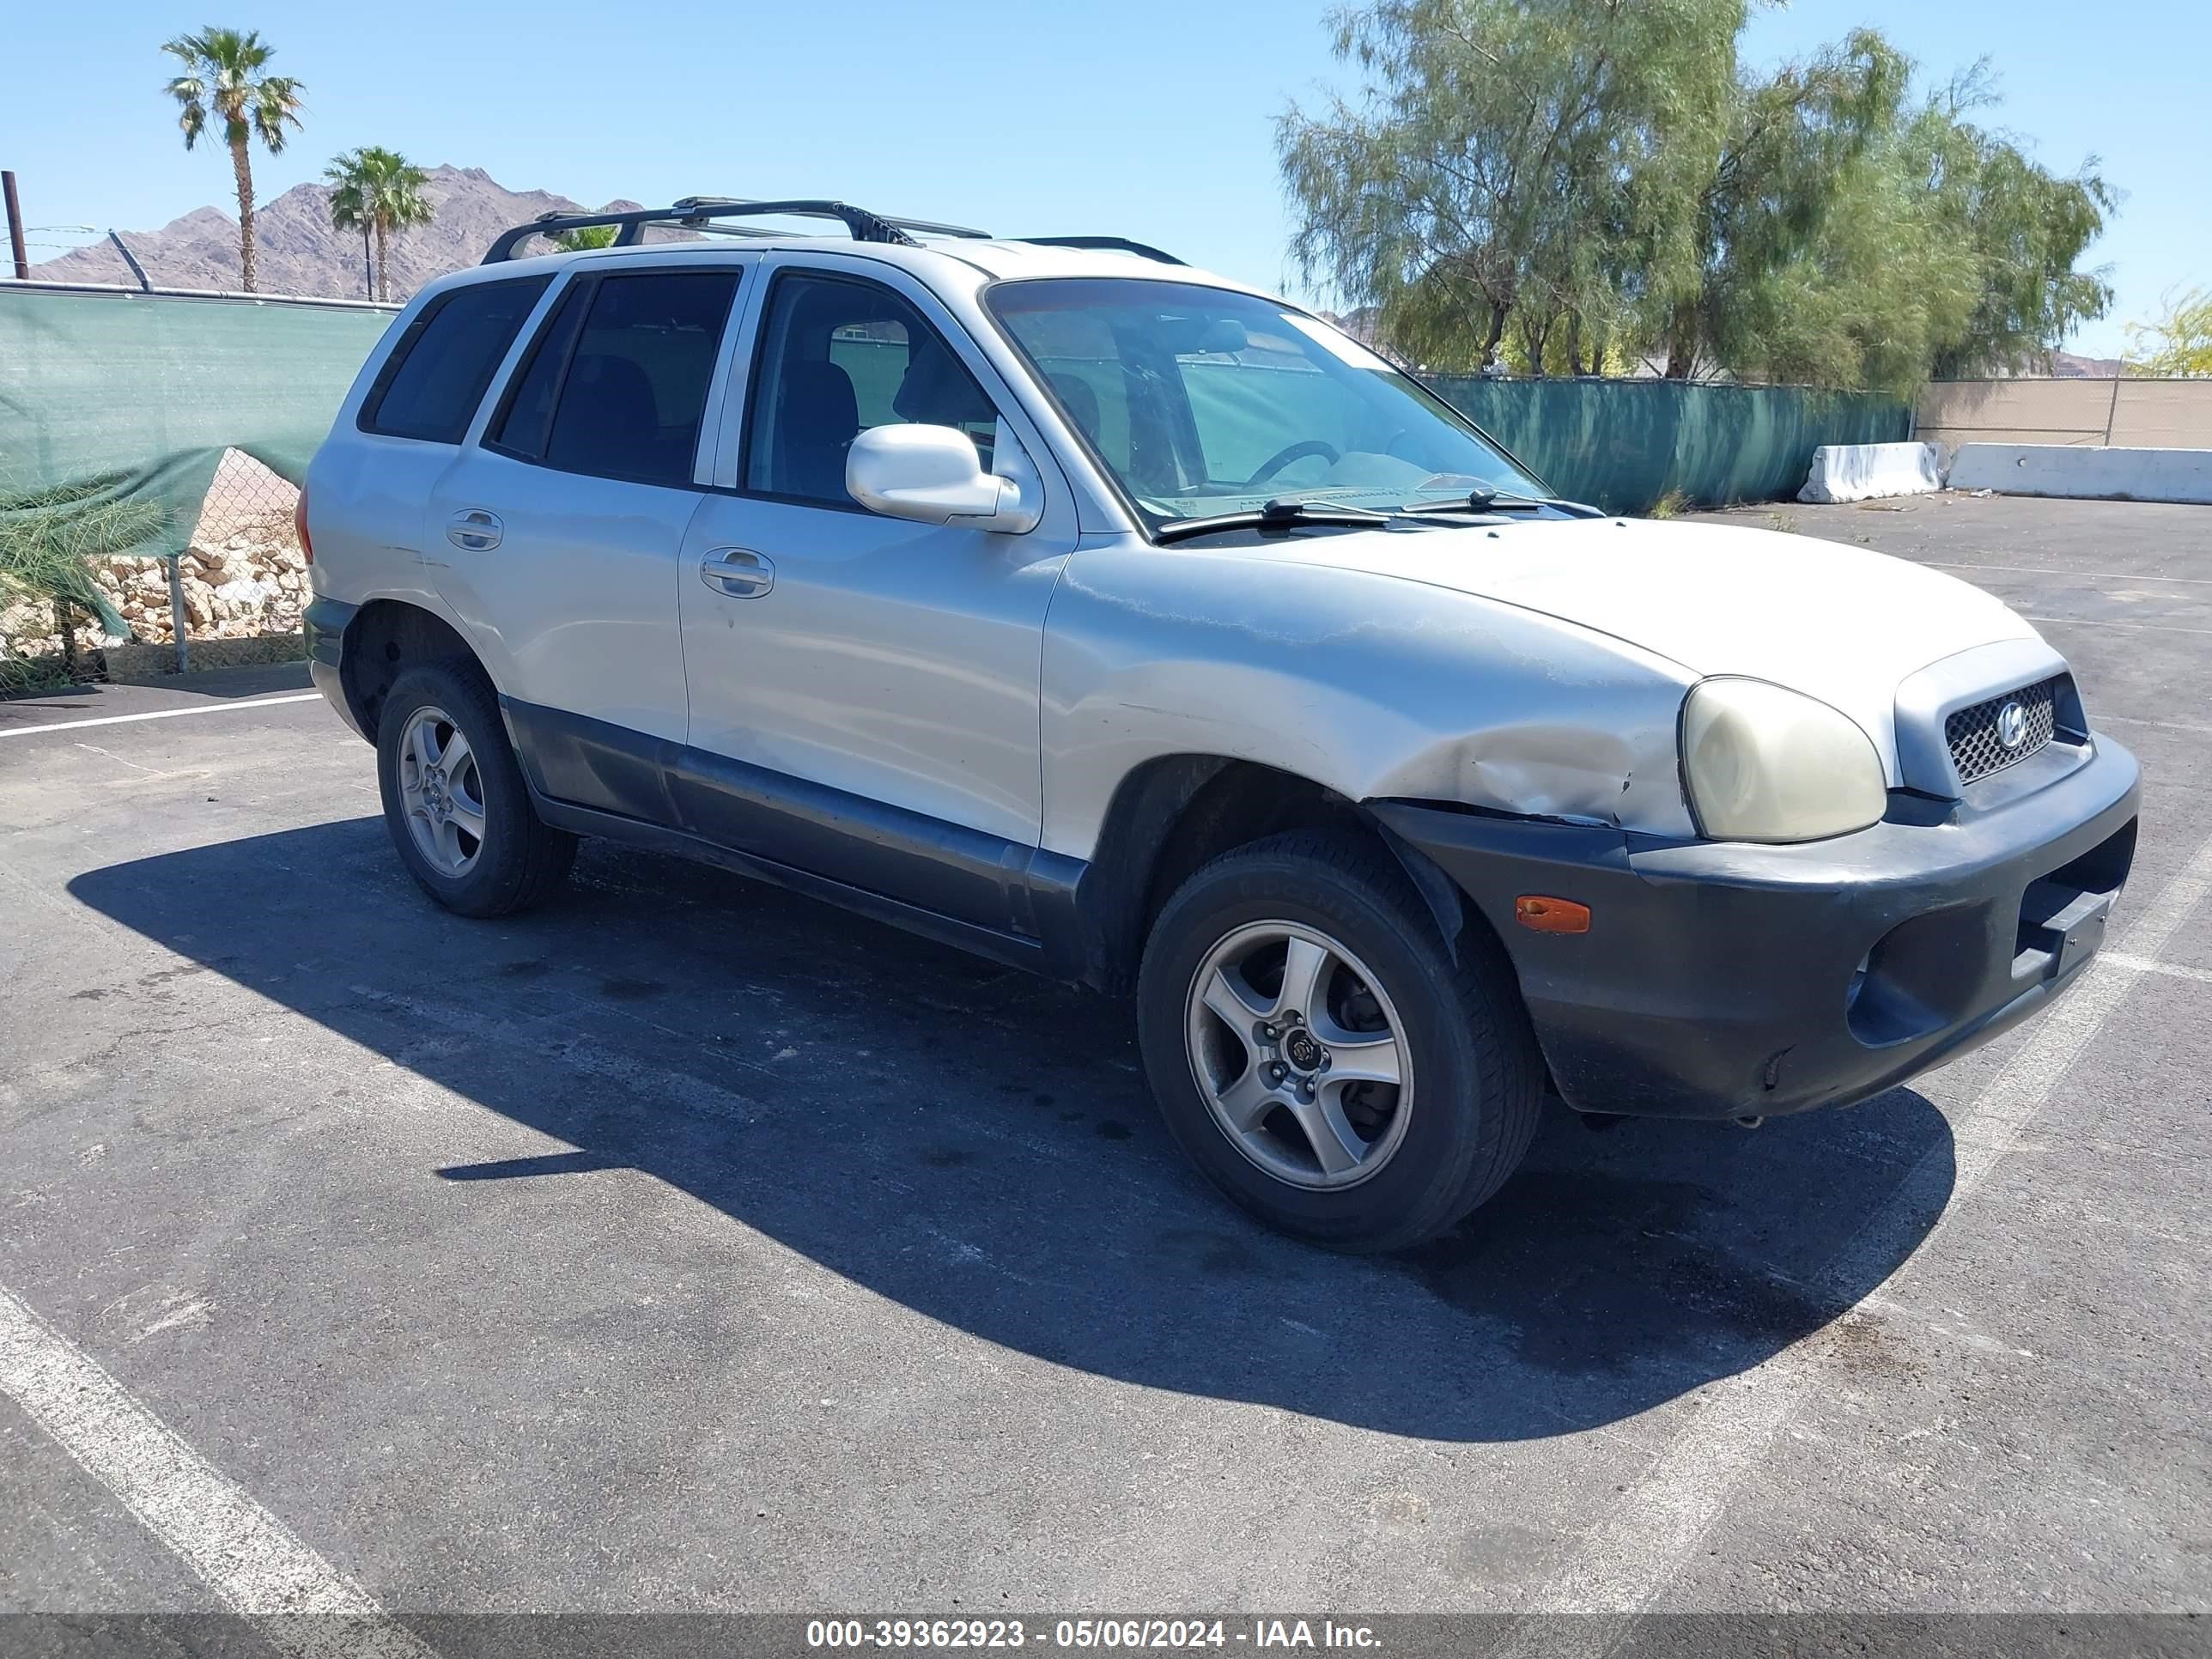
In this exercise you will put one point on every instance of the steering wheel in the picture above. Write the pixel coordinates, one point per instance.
(1297, 452)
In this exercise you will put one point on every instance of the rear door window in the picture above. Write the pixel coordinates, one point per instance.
(616, 384)
(439, 370)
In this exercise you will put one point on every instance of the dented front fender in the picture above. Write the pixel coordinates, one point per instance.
(1366, 684)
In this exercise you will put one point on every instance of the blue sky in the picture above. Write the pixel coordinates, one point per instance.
(1152, 118)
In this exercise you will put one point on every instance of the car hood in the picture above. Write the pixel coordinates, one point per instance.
(1843, 624)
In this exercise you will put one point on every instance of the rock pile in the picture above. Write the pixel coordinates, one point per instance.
(250, 583)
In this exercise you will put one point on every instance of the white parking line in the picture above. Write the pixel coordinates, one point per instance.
(159, 714)
(1623, 1563)
(2077, 575)
(2172, 970)
(2101, 717)
(255, 1563)
(2114, 622)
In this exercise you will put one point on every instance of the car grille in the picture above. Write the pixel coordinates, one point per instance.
(1976, 738)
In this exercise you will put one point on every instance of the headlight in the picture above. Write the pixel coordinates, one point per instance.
(1763, 764)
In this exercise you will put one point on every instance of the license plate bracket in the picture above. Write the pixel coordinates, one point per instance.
(2059, 930)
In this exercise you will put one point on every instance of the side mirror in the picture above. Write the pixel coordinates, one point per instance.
(932, 474)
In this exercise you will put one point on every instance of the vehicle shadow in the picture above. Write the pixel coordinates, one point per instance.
(980, 1145)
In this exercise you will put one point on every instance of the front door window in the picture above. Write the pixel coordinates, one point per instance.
(838, 357)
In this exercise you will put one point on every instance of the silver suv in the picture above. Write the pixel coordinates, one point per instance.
(1061, 602)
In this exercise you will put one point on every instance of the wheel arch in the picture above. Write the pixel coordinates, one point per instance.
(1176, 813)
(384, 639)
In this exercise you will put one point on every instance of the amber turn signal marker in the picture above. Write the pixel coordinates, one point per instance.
(1551, 915)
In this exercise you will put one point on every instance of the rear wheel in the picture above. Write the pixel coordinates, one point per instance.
(454, 799)
(1321, 1055)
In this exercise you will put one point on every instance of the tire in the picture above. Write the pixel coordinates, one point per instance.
(1393, 1165)
(499, 857)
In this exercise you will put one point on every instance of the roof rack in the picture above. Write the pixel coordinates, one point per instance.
(1113, 244)
(701, 212)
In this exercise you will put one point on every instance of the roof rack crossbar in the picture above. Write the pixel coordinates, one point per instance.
(1114, 244)
(699, 213)
(836, 209)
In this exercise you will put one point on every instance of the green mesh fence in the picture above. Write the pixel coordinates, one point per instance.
(1621, 445)
(131, 397)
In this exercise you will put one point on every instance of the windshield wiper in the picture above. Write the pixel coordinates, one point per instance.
(1487, 501)
(1279, 514)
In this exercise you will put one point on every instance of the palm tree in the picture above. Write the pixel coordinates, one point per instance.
(223, 78)
(379, 190)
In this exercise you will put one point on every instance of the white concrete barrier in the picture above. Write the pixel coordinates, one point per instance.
(2085, 473)
(1862, 472)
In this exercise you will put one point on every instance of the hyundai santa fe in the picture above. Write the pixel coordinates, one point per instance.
(1063, 603)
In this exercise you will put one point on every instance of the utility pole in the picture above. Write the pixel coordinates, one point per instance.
(15, 228)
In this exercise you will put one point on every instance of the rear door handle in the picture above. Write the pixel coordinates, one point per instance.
(473, 529)
(737, 571)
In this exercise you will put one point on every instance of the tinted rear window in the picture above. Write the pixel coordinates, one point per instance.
(439, 372)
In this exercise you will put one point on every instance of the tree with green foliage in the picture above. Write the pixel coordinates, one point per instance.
(2178, 341)
(589, 236)
(2027, 230)
(1609, 170)
(1789, 148)
(1513, 161)
(380, 190)
(223, 78)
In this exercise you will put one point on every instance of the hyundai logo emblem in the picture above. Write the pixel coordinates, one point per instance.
(2012, 726)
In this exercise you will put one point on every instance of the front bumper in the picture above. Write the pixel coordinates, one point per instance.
(1726, 980)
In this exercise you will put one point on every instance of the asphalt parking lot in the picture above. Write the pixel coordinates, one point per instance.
(690, 1246)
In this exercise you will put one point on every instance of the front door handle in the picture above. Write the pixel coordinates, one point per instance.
(737, 571)
(475, 531)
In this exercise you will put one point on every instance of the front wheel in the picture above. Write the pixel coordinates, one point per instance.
(1321, 1055)
(454, 799)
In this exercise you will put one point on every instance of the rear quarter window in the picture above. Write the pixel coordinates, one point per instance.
(439, 372)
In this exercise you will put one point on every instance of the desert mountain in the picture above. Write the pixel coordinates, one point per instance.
(2066, 366)
(298, 251)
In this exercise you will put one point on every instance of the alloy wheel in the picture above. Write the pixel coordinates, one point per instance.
(441, 791)
(1300, 1056)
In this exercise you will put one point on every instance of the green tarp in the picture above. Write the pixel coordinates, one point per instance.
(1621, 445)
(145, 391)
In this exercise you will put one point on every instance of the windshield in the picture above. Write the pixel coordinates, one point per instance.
(1202, 401)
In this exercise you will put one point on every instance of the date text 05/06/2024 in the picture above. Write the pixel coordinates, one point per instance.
(1131, 1634)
